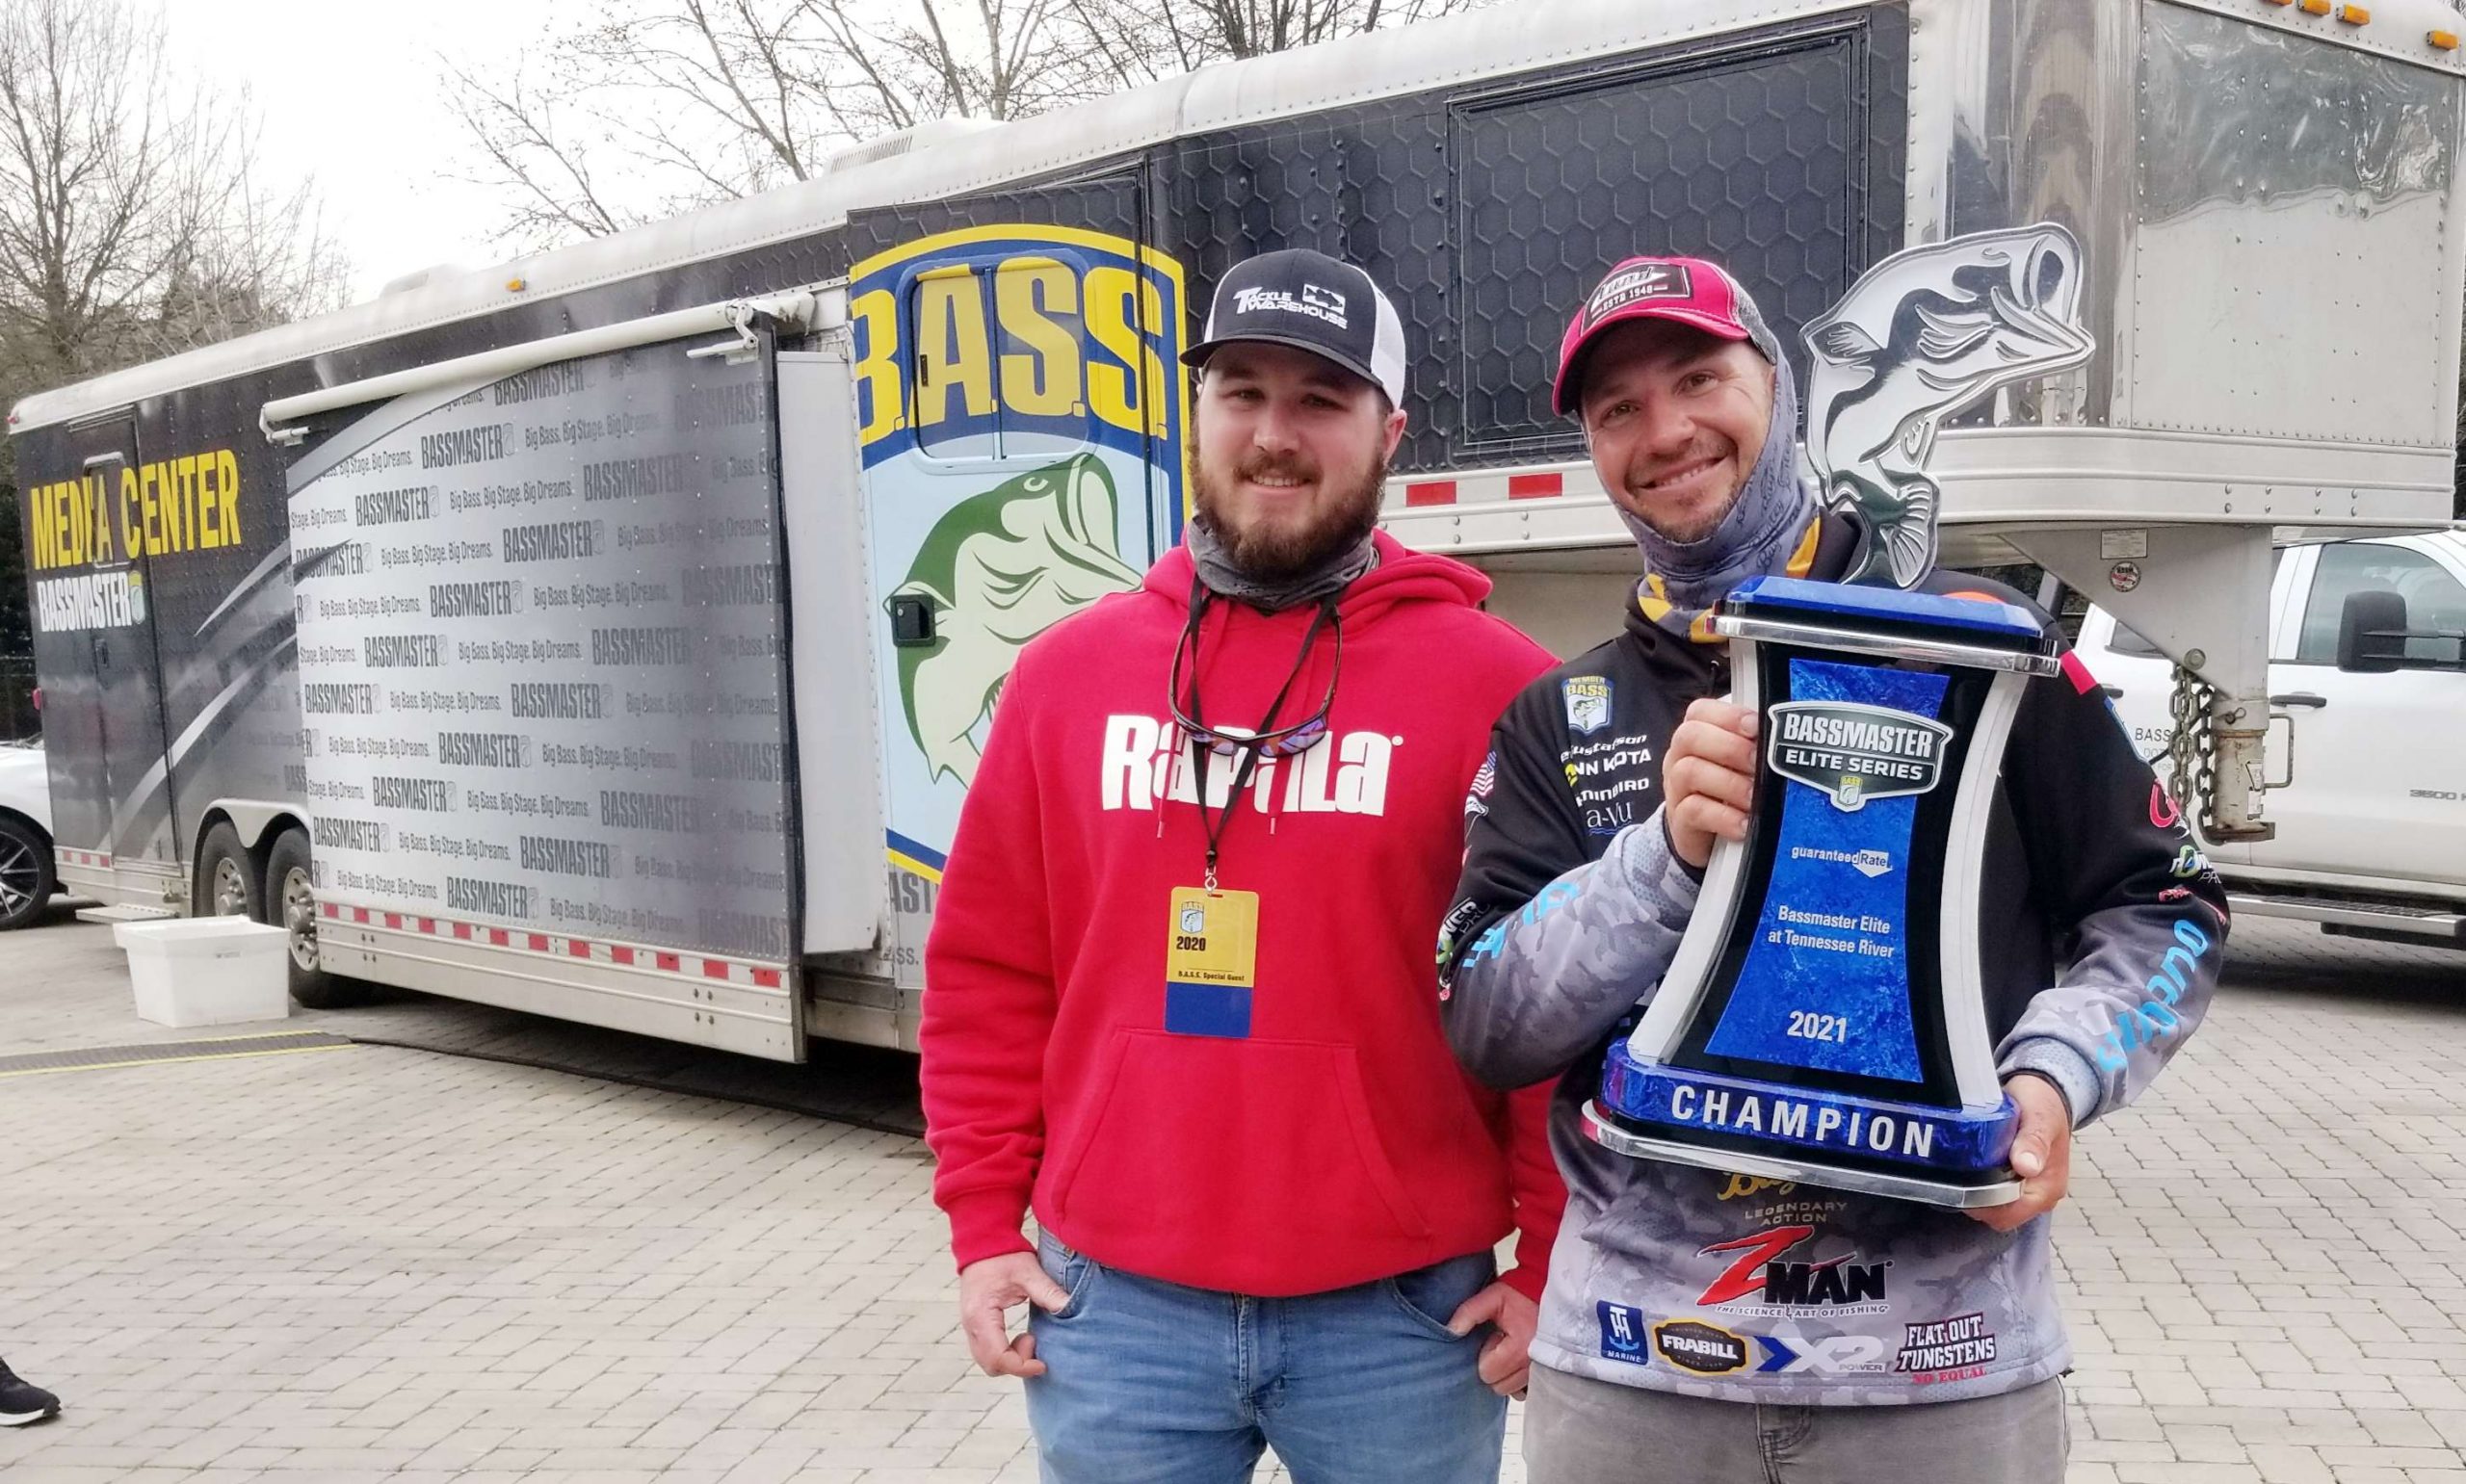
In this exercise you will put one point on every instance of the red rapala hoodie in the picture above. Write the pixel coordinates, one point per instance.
(1337, 1142)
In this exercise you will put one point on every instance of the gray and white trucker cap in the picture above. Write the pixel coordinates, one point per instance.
(1312, 303)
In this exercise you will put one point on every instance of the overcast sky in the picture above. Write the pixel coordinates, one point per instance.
(348, 91)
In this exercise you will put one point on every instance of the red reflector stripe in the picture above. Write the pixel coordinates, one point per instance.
(713, 969)
(2082, 682)
(1434, 492)
(1534, 486)
(768, 978)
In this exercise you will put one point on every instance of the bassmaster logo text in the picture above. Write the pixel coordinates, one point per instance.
(1854, 752)
(970, 340)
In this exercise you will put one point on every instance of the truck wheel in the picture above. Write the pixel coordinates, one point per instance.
(26, 880)
(226, 879)
(291, 888)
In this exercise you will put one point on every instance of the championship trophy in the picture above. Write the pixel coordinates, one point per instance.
(1824, 1018)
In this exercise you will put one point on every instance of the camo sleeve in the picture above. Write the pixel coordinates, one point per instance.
(2144, 911)
(1548, 945)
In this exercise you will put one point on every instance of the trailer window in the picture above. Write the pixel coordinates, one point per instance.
(1003, 368)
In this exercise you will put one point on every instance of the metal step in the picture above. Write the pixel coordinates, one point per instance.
(2432, 924)
(123, 914)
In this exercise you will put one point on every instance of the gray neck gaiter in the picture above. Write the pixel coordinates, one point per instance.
(1223, 578)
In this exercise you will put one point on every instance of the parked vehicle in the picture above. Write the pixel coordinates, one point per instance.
(2369, 807)
(27, 878)
(612, 635)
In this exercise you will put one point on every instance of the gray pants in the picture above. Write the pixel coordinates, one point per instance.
(1581, 1431)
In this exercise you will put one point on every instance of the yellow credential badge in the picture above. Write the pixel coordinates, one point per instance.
(1211, 961)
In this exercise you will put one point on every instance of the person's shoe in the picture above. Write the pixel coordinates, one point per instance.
(22, 1402)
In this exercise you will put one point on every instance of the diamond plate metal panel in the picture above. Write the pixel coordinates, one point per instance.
(1487, 211)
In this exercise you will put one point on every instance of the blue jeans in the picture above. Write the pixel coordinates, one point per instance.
(1153, 1383)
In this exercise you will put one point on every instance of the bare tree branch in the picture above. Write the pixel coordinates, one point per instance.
(687, 102)
(134, 217)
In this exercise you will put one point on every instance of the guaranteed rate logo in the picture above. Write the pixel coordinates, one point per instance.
(1853, 753)
(993, 342)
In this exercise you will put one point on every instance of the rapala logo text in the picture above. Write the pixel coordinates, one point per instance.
(1146, 759)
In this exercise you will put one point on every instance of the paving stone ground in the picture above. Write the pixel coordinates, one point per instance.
(387, 1263)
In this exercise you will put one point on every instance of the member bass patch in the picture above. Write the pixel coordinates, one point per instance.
(1587, 703)
(1853, 753)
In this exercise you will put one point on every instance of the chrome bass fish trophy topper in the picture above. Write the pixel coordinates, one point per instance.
(1922, 336)
(1824, 1019)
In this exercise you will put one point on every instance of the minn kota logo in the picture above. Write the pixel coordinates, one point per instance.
(1855, 753)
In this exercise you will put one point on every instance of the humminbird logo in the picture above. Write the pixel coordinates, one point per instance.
(1854, 752)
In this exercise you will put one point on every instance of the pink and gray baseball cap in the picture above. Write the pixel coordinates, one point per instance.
(1687, 291)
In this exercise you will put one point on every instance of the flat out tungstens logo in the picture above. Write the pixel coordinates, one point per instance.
(1853, 752)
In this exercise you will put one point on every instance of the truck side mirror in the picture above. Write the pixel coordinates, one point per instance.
(2371, 633)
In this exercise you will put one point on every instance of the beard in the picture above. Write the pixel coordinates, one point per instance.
(1273, 552)
(1690, 530)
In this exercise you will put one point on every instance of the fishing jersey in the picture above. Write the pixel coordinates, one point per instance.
(1709, 1284)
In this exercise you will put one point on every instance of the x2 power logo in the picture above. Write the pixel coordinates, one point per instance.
(1760, 1273)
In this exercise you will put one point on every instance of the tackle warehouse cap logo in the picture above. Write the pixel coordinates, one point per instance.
(1855, 753)
(1014, 342)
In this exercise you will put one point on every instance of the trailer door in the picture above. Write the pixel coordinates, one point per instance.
(1020, 412)
(111, 793)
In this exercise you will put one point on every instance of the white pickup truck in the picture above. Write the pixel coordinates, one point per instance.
(2368, 710)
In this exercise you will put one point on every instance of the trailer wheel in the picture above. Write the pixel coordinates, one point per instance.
(291, 888)
(226, 879)
(26, 880)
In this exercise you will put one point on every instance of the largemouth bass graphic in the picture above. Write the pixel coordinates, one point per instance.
(1920, 336)
(999, 569)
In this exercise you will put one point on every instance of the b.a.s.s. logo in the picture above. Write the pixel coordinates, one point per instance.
(1017, 341)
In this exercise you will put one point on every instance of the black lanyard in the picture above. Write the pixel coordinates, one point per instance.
(1200, 740)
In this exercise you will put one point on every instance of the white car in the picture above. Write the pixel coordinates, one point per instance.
(26, 874)
(2371, 825)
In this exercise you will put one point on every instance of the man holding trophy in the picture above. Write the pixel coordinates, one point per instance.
(1833, 894)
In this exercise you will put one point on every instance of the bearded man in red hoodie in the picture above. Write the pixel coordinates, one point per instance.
(1180, 996)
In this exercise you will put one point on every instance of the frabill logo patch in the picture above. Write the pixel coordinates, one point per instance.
(1855, 753)
(1706, 1349)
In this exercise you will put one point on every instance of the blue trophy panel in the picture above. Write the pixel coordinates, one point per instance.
(1825, 983)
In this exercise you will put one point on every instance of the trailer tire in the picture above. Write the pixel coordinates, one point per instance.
(26, 878)
(226, 879)
(290, 890)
